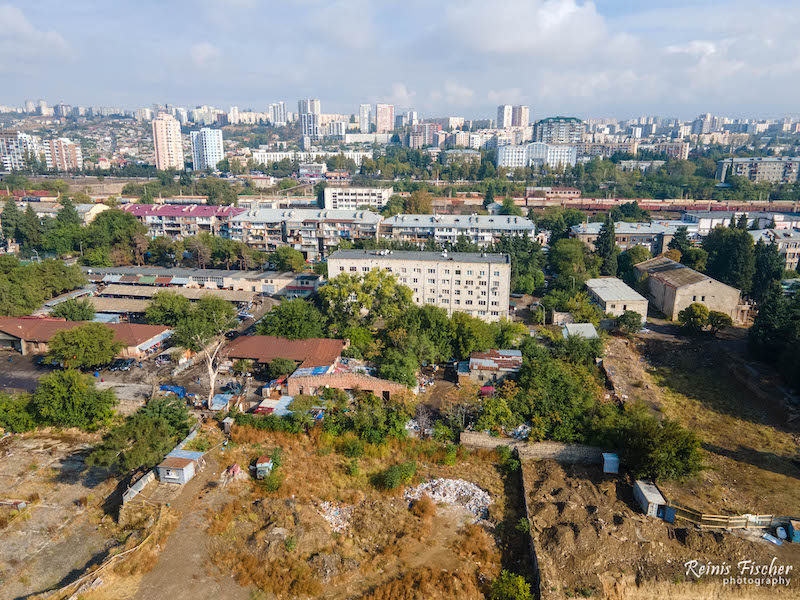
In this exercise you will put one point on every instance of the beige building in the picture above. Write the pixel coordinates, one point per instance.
(384, 118)
(614, 297)
(787, 241)
(62, 154)
(475, 283)
(672, 287)
(167, 143)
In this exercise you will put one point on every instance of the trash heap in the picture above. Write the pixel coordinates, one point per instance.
(453, 491)
(337, 515)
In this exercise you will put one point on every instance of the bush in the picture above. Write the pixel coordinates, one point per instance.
(506, 458)
(509, 586)
(15, 414)
(351, 448)
(450, 455)
(628, 322)
(442, 433)
(353, 470)
(398, 475)
(272, 482)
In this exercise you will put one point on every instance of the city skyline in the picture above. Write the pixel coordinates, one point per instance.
(462, 58)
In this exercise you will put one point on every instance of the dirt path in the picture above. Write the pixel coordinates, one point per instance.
(182, 571)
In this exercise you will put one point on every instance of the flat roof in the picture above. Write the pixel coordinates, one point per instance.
(203, 274)
(142, 291)
(118, 305)
(312, 352)
(673, 273)
(464, 257)
(172, 462)
(613, 289)
(584, 330)
(502, 222)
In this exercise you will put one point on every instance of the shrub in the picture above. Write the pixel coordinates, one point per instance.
(353, 469)
(351, 448)
(450, 455)
(398, 475)
(509, 586)
(424, 508)
(272, 482)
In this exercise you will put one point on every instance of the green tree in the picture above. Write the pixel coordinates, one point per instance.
(470, 334)
(88, 346)
(731, 257)
(167, 308)
(144, 438)
(280, 367)
(11, 219)
(349, 300)
(717, 321)
(293, 319)
(628, 259)
(15, 414)
(74, 309)
(605, 246)
(694, 318)
(768, 269)
(681, 241)
(695, 258)
(509, 586)
(398, 365)
(529, 284)
(29, 229)
(628, 322)
(573, 263)
(509, 208)
(69, 399)
(288, 259)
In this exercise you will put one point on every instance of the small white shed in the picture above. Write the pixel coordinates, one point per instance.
(648, 496)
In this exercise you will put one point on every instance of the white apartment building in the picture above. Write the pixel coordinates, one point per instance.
(384, 118)
(269, 156)
(13, 148)
(62, 154)
(207, 149)
(167, 142)
(364, 112)
(504, 116)
(350, 198)
(309, 112)
(474, 283)
(537, 153)
(482, 230)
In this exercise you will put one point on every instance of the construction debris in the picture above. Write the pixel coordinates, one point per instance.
(453, 491)
(337, 515)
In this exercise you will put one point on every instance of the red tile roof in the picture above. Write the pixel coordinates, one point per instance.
(42, 330)
(314, 352)
(185, 210)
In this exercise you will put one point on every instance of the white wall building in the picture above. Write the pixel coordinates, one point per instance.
(364, 112)
(537, 153)
(167, 142)
(15, 146)
(477, 284)
(482, 230)
(351, 198)
(504, 116)
(207, 149)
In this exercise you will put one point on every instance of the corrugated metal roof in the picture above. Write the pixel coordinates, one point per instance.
(584, 330)
(187, 454)
(175, 463)
(496, 360)
(612, 289)
(147, 279)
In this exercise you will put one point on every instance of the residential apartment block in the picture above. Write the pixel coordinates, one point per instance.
(15, 147)
(758, 169)
(178, 222)
(482, 230)
(272, 156)
(477, 284)
(384, 118)
(787, 241)
(207, 149)
(311, 231)
(351, 198)
(559, 130)
(62, 154)
(167, 142)
(538, 154)
(653, 236)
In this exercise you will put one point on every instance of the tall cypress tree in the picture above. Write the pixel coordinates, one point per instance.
(11, 218)
(606, 247)
(768, 269)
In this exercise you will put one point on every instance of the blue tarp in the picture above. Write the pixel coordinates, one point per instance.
(185, 454)
(177, 390)
(220, 401)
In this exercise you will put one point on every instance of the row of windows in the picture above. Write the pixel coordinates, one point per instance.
(354, 269)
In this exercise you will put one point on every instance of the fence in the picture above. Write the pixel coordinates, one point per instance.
(707, 521)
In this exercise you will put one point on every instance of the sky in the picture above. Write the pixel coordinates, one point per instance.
(608, 58)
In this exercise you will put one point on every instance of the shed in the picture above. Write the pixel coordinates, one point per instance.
(794, 531)
(263, 466)
(610, 462)
(227, 423)
(648, 496)
(220, 402)
(584, 330)
(176, 470)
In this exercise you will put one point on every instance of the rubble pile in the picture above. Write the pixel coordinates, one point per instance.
(453, 491)
(337, 515)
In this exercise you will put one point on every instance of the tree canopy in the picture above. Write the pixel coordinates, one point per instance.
(293, 319)
(88, 346)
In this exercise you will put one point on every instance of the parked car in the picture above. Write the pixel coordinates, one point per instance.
(115, 365)
(126, 364)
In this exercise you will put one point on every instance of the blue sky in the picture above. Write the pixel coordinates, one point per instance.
(616, 58)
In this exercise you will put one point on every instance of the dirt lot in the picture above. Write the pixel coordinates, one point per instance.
(592, 540)
(280, 543)
(63, 529)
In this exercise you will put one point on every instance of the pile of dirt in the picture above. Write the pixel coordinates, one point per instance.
(591, 538)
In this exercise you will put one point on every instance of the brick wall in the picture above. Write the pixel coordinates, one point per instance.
(344, 381)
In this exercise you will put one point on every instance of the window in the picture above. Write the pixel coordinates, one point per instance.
(431, 270)
(429, 300)
(468, 303)
(445, 282)
(469, 272)
(457, 301)
(702, 298)
(495, 313)
(447, 271)
(612, 306)
(458, 271)
(694, 298)
(457, 292)
(624, 307)
(365, 269)
(415, 280)
(481, 312)
(483, 273)
(417, 270)
(497, 273)
(482, 302)
(353, 269)
(494, 303)
(445, 300)
(483, 292)
(403, 270)
(457, 282)
(469, 292)
(469, 282)
(432, 281)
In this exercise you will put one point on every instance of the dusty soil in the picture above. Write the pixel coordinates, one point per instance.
(280, 543)
(63, 530)
(591, 539)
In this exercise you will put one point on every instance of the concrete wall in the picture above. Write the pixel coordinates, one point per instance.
(538, 450)
(715, 295)
(183, 475)
(344, 381)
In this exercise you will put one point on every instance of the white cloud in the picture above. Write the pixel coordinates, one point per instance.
(22, 44)
(457, 94)
(400, 96)
(204, 55)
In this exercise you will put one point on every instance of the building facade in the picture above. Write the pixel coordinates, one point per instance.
(384, 118)
(477, 284)
(653, 236)
(536, 154)
(16, 147)
(364, 117)
(309, 111)
(178, 222)
(758, 169)
(351, 198)
(504, 116)
(787, 241)
(520, 116)
(614, 297)
(207, 149)
(167, 142)
(482, 230)
(559, 130)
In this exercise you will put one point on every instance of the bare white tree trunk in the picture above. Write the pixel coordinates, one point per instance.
(213, 357)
